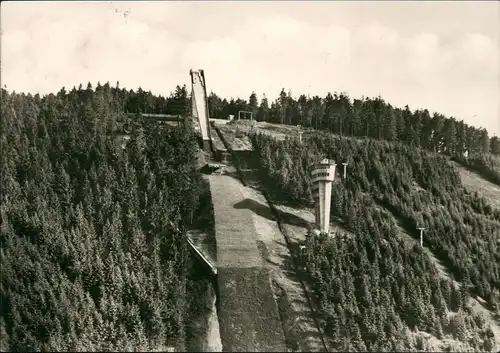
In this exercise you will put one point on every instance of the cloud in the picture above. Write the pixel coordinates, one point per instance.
(377, 35)
(255, 46)
(423, 45)
(482, 51)
(109, 44)
(219, 54)
(268, 29)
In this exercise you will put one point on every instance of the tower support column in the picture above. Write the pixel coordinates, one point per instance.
(322, 177)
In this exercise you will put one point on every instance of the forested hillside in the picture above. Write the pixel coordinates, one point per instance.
(92, 250)
(371, 286)
(92, 234)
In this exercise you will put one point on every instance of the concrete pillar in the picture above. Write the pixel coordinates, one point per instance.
(207, 146)
(225, 156)
(322, 178)
(421, 236)
(345, 170)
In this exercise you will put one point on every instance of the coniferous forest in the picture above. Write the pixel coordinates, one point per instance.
(371, 286)
(92, 239)
(92, 249)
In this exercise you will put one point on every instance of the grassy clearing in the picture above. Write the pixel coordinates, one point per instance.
(475, 183)
(249, 319)
(236, 137)
(279, 132)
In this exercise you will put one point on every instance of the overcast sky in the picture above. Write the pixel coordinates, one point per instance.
(443, 56)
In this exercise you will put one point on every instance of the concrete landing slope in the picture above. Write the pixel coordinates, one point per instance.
(234, 229)
(248, 314)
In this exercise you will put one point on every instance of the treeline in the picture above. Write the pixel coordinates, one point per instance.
(92, 246)
(116, 102)
(366, 117)
(337, 113)
(370, 282)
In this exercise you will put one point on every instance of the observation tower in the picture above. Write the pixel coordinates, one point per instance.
(323, 176)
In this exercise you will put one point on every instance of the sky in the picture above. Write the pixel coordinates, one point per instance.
(440, 56)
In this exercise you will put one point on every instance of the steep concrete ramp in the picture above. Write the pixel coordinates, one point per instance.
(248, 314)
(200, 106)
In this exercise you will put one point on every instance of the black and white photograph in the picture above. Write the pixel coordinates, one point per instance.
(250, 176)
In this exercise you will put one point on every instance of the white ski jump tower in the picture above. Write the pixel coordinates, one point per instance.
(322, 178)
(199, 106)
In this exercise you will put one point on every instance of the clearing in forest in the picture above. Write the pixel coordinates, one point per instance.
(475, 183)
(242, 127)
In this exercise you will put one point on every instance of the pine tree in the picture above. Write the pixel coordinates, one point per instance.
(450, 136)
(458, 327)
(495, 145)
(263, 113)
(390, 132)
(253, 105)
(484, 141)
